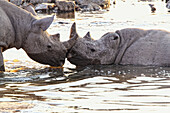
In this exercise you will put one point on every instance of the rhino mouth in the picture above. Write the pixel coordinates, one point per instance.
(79, 60)
(43, 59)
(83, 62)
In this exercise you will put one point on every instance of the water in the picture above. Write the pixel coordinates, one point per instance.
(28, 86)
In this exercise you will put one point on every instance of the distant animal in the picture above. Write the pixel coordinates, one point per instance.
(153, 9)
(129, 46)
(114, 2)
(20, 29)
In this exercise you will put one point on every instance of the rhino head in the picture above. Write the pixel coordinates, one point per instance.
(45, 48)
(88, 51)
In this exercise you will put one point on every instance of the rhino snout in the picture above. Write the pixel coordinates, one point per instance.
(46, 58)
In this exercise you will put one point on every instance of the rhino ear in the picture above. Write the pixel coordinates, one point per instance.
(119, 33)
(56, 37)
(88, 36)
(44, 23)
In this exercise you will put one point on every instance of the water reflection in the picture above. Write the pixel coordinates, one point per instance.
(68, 15)
(107, 88)
(31, 74)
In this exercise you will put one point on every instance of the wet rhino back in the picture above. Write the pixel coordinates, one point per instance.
(6, 30)
(152, 49)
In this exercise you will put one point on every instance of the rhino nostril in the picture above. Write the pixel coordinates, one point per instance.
(49, 46)
(92, 50)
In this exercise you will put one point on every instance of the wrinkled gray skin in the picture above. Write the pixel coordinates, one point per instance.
(128, 46)
(20, 29)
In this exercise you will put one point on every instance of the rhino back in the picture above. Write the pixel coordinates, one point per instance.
(152, 49)
(6, 30)
(19, 19)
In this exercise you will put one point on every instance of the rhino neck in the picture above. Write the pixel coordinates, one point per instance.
(127, 38)
(20, 20)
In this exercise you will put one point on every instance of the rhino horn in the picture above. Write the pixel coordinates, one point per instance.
(69, 44)
(73, 30)
(73, 37)
(44, 23)
(88, 36)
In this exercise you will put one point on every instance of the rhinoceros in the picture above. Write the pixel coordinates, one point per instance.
(20, 29)
(129, 46)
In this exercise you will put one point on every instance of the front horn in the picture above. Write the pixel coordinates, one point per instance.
(73, 37)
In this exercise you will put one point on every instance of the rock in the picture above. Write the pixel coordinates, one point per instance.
(20, 2)
(44, 7)
(29, 8)
(64, 6)
(16, 2)
(39, 1)
(102, 3)
(90, 7)
(58, 6)
(68, 15)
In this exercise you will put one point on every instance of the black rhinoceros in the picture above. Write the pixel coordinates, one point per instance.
(20, 29)
(130, 46)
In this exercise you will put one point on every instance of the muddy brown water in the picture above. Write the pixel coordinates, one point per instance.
(30, 87)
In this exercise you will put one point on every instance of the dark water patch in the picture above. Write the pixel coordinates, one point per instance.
(66, 15)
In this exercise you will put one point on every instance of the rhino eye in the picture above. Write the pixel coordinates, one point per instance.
(92, 50)
(49, 47)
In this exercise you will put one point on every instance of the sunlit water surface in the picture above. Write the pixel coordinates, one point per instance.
(30, 87)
